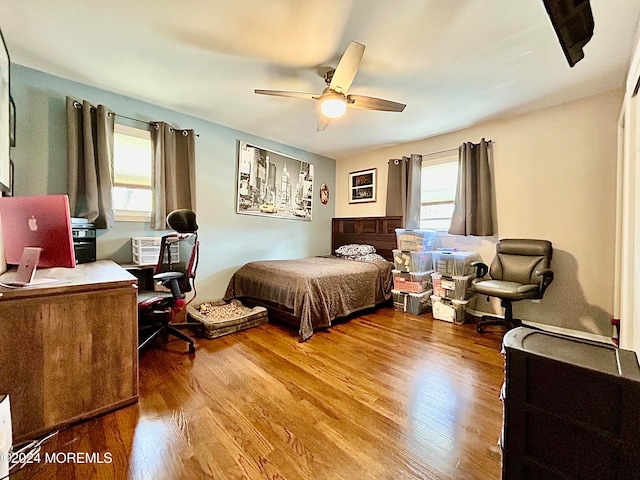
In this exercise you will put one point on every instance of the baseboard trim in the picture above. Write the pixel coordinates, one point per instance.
(479, 314)
(571, 333)
(551, 328)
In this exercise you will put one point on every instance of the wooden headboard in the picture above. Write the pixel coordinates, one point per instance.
(377, 231)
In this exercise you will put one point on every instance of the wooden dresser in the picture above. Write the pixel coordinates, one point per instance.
(68, 349)
(571, 409)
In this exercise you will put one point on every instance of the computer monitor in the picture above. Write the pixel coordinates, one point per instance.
(38, 221)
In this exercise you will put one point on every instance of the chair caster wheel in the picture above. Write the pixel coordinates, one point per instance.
(192, 349)
(479, 329)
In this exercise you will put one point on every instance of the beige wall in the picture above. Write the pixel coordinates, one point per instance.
(555, 178)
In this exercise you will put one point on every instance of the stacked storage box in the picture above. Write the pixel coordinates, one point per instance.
(451, 279)
(146, 250)
(413, 268)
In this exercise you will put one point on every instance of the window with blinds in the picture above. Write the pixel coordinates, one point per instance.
(438, 190)
(133, 170)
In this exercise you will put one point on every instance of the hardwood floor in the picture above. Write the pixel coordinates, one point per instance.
(383, 396)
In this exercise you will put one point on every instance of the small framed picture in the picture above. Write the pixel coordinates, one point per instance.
(362, 186)
(324, 194)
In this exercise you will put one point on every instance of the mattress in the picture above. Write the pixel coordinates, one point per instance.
(315, 290)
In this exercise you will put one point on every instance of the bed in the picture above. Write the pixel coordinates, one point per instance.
(311, 293)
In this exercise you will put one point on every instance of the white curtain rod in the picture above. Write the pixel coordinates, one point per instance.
(441, 151)
(447, 150)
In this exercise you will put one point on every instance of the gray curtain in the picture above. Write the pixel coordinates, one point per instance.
(174, 165)
(90, 162)
(472, 214)
(403, 190)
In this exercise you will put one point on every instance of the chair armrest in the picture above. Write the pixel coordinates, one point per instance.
(547, 278)
(170, 280)
(167, 276)
(481, 269)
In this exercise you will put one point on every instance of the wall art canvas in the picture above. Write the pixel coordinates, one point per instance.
(271, 184)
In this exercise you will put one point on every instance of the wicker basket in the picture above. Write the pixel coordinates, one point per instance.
(217, 327)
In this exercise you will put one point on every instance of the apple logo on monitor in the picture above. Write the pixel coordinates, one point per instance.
(33, 223)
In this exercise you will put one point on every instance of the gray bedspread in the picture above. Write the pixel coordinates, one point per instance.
(316, 290)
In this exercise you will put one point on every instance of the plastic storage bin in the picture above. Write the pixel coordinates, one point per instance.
(414, 303)
(415, 240)
(400, 300)
(455, 288)
(408, 261)
(419, 302)
(436, 282)
(145, 250)
(447, 309)
(412, 282)
(454, 263)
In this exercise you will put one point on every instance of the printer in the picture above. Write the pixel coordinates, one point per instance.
(84, 240)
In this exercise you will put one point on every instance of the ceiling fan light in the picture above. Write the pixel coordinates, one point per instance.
(334, 107)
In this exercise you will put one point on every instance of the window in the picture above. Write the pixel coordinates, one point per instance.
(132, 171)
(439, 181)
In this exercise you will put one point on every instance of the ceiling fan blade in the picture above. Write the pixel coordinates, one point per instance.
(347, 68)
(372, 103)
(323, 122)
(284, 93)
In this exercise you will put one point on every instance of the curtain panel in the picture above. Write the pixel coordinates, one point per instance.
(403, 190)
(472, 214)
(173, 153)
(90, 162)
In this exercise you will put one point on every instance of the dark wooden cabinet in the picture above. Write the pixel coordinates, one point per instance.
(571, 409)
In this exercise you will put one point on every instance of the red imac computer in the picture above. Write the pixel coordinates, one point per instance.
(41, 221)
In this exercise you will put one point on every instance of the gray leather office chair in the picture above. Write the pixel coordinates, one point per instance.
(520, 270)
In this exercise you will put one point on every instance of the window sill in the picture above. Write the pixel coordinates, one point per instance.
(132, 218)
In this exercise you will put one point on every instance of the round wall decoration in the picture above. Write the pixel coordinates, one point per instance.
(324, 193)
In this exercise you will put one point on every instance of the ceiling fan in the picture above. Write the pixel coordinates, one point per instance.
(334, 99)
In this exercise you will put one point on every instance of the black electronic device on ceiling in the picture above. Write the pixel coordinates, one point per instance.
(573, 22)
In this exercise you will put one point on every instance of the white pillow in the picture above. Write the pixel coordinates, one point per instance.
(354, 250)
(370, 257)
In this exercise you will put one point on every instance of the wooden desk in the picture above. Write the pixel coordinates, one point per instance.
(68, 350)
(143, 273)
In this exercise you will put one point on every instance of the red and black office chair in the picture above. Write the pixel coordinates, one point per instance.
(156, 310)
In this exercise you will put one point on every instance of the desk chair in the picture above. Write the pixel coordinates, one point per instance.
(520, 270)
(156, 310)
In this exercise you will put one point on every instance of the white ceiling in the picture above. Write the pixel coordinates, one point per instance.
(453, 62)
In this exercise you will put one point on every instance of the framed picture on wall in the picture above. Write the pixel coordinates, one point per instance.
(271, 184)
(362, 186)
